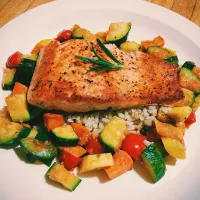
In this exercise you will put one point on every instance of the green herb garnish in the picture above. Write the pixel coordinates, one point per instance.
(101, 64)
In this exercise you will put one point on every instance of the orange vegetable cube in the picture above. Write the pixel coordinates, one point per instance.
(76, 151)
(19, 88)
(122, 163)
(82, 132)
(52, 121)
(157, 41)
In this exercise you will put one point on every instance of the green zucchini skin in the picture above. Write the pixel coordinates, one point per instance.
(173, 60)
(189, 80)
(65, 136)
(24, 71)
(60, 175)
(158, 143)
(38, 150)
(118, 33)
(189, 65)
(154, 162)
(8, 78)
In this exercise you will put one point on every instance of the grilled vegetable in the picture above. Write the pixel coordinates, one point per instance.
(168, 130)
(159, 52)
(19, 88)
(122, 164)
(94, 146)
(179, 114)
(196, 103)
(81, 33)
(154, 162)
(161, 116)
(174, 147)
(64, 35)
(159, 144)
(33, 133)
(189, 65)
(173, 60)
(24, 72)
(157, 41)
(65, 135)
(37, 150)
(82, 132)
(188, 100)
(113, 134)
(14, 60)
(69, 160)
(102, 36)
(189, 80)
(95, 162)
(133, 144)
(41, 45)
(118, 32)
(77, 151)
(52, 121)
(9, 131)
(130, 46)
(59, 174)
(8, 78)
(190, 120)
(18, 108)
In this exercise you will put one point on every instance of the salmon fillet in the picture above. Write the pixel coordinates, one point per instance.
(61, 81)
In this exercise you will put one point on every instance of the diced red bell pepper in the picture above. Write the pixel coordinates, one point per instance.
(69, 161)
(94, 146)
(190, 120)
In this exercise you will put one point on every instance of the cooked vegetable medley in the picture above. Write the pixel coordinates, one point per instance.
(47, 134)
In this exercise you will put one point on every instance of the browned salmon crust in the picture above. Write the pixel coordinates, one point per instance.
(60, 80)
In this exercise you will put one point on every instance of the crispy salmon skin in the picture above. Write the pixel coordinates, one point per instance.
(61, 81)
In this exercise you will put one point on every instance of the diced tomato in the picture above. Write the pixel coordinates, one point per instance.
(70, 161)
(190, 120)
(94, 146)
(14, 60)
(64, 35)
(133, 144)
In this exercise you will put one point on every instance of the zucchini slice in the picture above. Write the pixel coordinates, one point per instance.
(188, 100)
(65, 135)
(8, 78)
(154, 162)
(160, 146)
(9, 131)
(113, 134)
(196, 103)
(173, 60)
(95, 162)
(18, 108)
(33, 133)
(130, 46)
(24, 72)
(159, 52)
(118, 32)
(189, 80)
(189, 65)
(81, 33)
(37, 150)
(60, 175)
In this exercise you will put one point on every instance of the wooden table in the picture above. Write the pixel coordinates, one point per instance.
(9, 9)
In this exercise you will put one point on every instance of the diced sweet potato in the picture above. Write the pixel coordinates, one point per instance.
(19, 88)
(77, 151)
(157, 41)
(82, 132)
(122, 163)
(52, 121)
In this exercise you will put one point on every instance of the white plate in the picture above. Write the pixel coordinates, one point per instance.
(20, 180)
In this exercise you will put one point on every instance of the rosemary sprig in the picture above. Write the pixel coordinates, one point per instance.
(101, 64)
